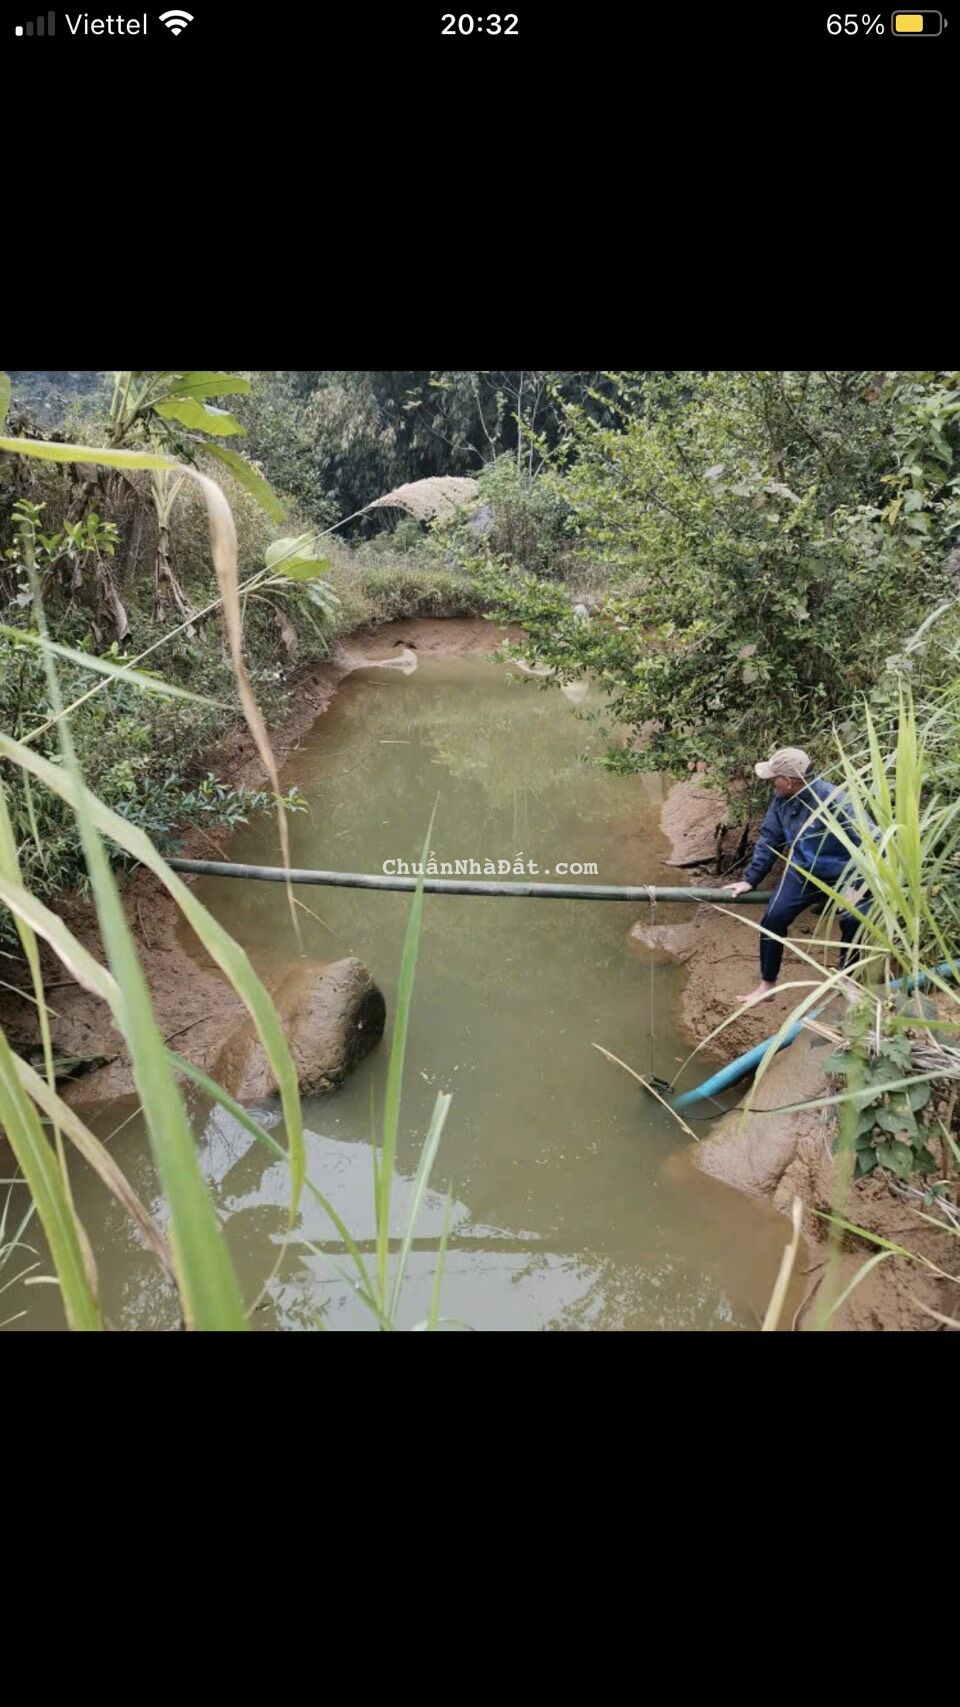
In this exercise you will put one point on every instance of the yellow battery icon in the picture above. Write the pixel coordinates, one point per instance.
(917, 23)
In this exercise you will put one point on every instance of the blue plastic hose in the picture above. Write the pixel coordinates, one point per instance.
(745, 1064)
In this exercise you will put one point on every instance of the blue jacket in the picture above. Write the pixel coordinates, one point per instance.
(787, 830)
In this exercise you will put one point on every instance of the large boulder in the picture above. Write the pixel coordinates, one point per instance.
(333, 1015)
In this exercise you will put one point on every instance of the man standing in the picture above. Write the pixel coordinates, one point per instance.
(812, 848)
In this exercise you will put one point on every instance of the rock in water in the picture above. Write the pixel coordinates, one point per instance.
(668, 942)
(406, 662)
(332, 1015)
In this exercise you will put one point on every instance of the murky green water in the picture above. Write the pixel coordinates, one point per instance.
(553, 1155)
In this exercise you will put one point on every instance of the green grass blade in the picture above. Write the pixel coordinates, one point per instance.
(875, 1238)
(210, 1294)
(219, 944)
(208, 1285)
(77, 959)
(10, 869)
(47, 452)
(422, 1176)
(391, 1111)
(867, 1094)
(37, 1162)
(366, 1298)
(98, 1157)
(32, 820)
(245, 1119)
(16, 1243)
(861, 1274)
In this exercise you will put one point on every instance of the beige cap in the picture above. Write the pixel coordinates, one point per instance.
(788, 761)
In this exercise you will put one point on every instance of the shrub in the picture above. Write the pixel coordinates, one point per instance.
(419, 591)
(532, 523)
(768, 535)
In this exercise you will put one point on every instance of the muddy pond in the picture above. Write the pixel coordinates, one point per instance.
(561, 1217)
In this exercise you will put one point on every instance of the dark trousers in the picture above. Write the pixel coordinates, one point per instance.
(793, 895)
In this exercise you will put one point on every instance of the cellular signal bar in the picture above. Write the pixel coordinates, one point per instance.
(44, 27)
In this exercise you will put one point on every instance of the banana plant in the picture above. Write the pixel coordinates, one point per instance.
(292, 574)
(174, 409)
(170, 410)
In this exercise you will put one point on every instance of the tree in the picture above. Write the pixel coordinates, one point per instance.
(336, 440)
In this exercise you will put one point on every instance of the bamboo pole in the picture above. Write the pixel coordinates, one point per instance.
(650, 892)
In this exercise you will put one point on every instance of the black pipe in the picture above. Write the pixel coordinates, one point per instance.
(650, 892)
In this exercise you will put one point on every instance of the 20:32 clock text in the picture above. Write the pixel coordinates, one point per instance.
(492, 25)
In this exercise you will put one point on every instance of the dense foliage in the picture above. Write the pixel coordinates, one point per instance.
(768, 538)
(125, 567)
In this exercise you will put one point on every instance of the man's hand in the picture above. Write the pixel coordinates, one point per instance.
(735, 889)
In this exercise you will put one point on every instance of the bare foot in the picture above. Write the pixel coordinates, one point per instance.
(762, 990)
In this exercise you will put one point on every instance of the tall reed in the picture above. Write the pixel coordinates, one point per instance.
(196, 1256)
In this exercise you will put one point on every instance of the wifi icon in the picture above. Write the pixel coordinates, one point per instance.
(176, 21)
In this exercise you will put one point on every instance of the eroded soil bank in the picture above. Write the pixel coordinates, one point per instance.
(780, 1156)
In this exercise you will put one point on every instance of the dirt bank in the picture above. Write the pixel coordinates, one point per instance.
(195, 1007)
(779, 1156)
